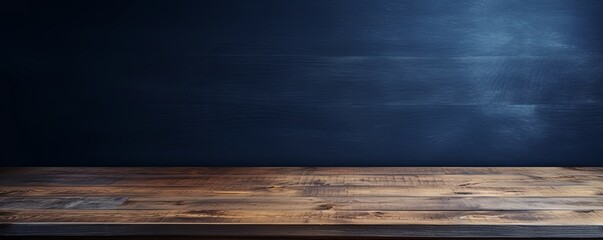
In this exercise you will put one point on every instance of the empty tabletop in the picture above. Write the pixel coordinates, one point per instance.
(433, 202)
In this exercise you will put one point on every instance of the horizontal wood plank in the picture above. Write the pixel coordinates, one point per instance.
(302, 202)
(304, 191)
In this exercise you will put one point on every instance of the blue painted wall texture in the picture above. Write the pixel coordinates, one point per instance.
(303, 82)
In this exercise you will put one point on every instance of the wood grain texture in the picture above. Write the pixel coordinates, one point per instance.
(303, 202)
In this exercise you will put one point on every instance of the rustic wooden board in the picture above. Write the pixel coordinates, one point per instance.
(303, 202)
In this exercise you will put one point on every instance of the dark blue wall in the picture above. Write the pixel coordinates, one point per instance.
(303, 82)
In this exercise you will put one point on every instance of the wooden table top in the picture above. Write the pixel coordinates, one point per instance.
(302, 202)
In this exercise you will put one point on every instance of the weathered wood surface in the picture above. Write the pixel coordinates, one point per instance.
(302, 202)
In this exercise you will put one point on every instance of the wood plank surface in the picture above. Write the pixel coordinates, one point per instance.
(303, 202)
